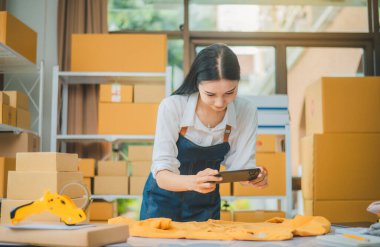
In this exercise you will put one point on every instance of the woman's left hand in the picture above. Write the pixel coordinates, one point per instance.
(261, 181)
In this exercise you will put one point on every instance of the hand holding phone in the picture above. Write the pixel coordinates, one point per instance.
(239, 175)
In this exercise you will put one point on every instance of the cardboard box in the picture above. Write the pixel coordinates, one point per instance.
(341, 166)
(120, 52)
(87, 167)
(343, 105)
(4, 99)
(47, 161)
(11, 143)
(275, 163)
(6, 165)
(32, 185)
(45, 216)
(226, 215)
(14, 34)
(140, 168)
(100, 235)
(136, 152)
(127, 118)
(268, 143)
(257, 216)
(23, 119)
(225, 189)
(149, 93)
(18, 99)
(136, 185)
(5, 114)
(338, 211)
(111, 185)
(103, 210)
(13, 116)
(112, 168)
(88, 183)
(116, 93)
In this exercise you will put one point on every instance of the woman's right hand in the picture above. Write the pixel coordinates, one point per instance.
(204, 181)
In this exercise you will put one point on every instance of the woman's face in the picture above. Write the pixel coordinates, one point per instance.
(218, 94)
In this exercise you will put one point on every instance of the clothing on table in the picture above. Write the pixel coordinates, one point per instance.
(270, 230)
(178, 111)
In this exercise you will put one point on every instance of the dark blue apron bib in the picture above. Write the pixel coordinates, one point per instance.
(188, 205)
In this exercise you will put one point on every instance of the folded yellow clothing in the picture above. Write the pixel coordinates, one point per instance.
(270, 230)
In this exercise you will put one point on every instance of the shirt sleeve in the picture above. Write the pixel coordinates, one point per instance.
(165, 150)
(242, 154)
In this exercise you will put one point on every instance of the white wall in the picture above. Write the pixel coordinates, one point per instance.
(41, 16)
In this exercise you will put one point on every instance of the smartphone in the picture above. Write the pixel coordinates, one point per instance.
(239, 175)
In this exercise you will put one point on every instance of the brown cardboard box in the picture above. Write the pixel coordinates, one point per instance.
(87, 167)
(268, 143)
(100, 235)
(45, 216)
(13, 116)
(103, 210)
(4, 99)
(343, 105)
(116, 93)
(18, 100)
(275, 164)
(6, 165)
(140, 152)
(149, 93)
(341, 166)
(32, 185)
(23, 119)
(257, 216)
(87, 182)
(112, 168)
(225, 189)
(14, 33)
(226, 215)
(5, 114)
(340, 211)
(47, 161)
(127, 118)
(121, 52)
(11, 143)
(136, 185)
(140, 168)
(111, 185)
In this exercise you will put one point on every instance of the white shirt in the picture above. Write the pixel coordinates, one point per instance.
(178, 111)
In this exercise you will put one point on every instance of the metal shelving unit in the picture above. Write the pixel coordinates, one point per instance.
(20, 74)
(62, 80)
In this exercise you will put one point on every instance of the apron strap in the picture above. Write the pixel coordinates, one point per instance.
(227, 132)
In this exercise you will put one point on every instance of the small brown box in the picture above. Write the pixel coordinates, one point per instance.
(4, 99)
(140, 168)
(11, 143)
(18, 100)
(112, 168)
(111, 185)
(6, 165)
(140, 152)
(23, 119)
(226, 215)
(87, 167)
(32, 185)
(103, 211)
(5, 114)
(136, 186)
(47, 161)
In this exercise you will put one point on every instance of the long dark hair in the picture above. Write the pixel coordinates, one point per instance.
(214, 62)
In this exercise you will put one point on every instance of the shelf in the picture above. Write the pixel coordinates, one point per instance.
(102, 77)
(12, 62)
(109, 138)
(9, 128)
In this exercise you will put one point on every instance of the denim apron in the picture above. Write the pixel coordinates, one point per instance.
(188, 205)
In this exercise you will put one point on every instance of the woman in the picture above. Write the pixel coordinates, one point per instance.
(202, 125)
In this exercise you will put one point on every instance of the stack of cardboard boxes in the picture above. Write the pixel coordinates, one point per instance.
(87, 167)
(112, 178)
(340, 154)
(6, 165)
(14, 109)
(37, 173)
(140, 158)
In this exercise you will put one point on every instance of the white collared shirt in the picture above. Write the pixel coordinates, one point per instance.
(178, 111)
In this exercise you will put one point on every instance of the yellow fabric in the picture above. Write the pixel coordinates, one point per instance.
(273, 229)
